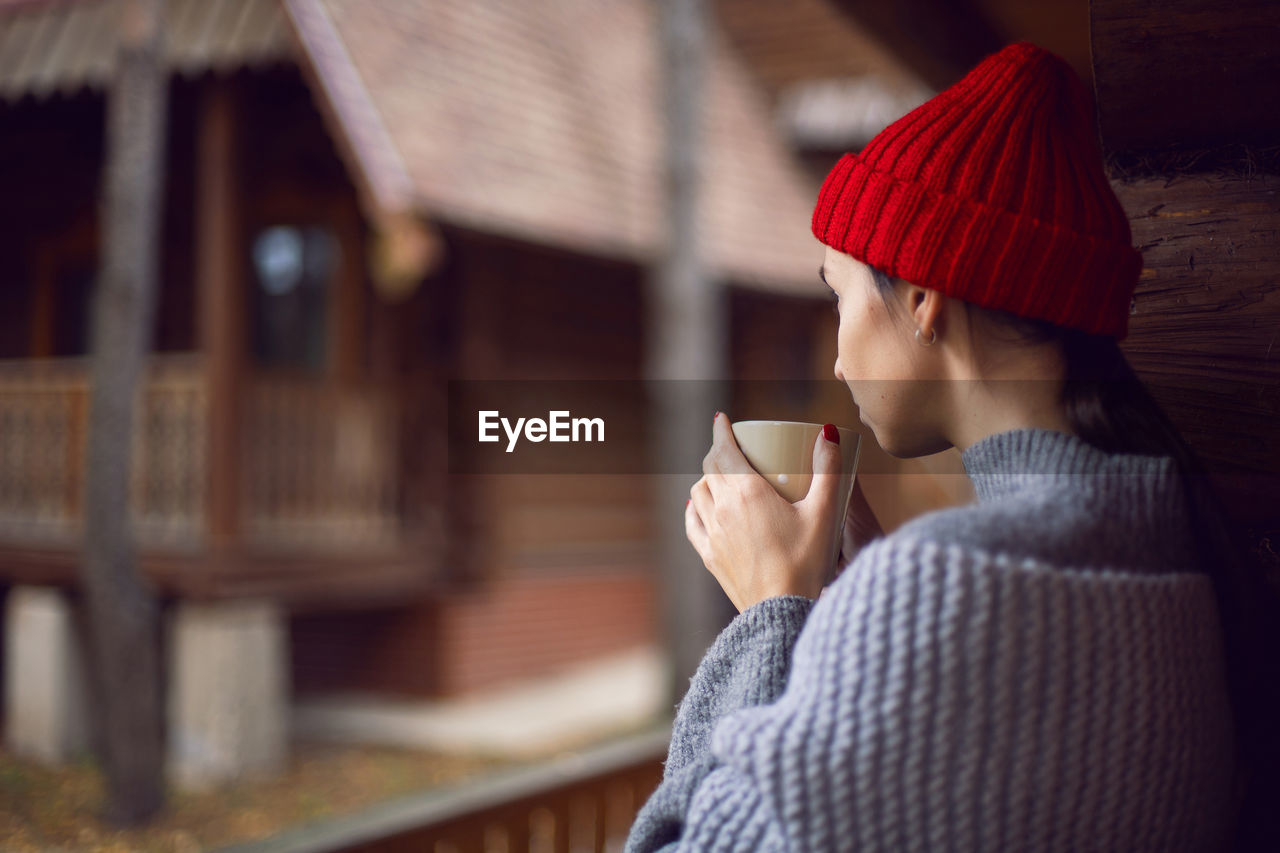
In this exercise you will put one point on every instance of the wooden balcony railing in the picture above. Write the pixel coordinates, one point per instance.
(44, 411)
(318, 466)
(582, 803)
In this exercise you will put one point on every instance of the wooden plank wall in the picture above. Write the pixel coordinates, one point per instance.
(1188, 74)
(1205, 327)
(1183, 95)
(1189, 119)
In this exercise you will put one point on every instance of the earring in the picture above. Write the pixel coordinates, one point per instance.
(933, 336)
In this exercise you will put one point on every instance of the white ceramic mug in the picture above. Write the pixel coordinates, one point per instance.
(782, 452)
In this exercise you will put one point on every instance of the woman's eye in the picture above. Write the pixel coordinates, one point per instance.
(835, 303)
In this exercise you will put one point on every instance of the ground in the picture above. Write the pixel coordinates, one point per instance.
(43, 809)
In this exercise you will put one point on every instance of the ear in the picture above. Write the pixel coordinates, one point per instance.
(926, 307)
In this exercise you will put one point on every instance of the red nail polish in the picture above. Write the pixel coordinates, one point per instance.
(713, 417)
(830, 433)
(686, 503)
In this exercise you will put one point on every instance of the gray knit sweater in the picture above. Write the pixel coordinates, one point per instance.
(1040, 670)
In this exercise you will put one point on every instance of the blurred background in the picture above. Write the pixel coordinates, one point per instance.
(358, 203)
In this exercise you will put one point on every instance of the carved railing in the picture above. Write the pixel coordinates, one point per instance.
(44, 419)
(319, 465)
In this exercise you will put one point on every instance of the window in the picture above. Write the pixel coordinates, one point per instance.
(294, 267)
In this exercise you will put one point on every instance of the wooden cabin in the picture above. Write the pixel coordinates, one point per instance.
(364, 202)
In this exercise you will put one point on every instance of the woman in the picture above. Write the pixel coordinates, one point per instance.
(1041, 670)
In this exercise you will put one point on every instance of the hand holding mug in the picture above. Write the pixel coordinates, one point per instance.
(756, 542)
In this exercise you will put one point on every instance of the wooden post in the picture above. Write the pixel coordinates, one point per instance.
(685, 346)
(347, 302)
(469, 548)
(220, 285)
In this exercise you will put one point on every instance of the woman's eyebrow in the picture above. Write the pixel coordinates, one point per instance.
(822, 274)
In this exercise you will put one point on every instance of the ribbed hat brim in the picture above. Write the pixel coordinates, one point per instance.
(992, 192)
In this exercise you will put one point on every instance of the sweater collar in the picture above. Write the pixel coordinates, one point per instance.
(1008, 462)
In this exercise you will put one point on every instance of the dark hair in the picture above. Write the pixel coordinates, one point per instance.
(1109, 407)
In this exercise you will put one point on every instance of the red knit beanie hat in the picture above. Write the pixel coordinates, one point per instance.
(993, 192)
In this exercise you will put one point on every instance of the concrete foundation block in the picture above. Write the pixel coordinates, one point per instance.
(228, 693)
(45, 692)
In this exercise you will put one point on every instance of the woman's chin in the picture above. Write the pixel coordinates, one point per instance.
(892, 442)
(910, 445)
(863, 419)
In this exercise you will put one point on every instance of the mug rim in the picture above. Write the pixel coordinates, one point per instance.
(790, 423)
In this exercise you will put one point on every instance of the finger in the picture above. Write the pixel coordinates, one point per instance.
(696, 531)
(825, 486)
(702, 501)
(725, 457)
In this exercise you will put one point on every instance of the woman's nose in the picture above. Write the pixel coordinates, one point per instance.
(839, 375)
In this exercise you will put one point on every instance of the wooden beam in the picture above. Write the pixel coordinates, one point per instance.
(1205, 324)
(940, 40)
(301, 581)
(348, 300)
(1186, 74)
(382, 182)
(220, 287)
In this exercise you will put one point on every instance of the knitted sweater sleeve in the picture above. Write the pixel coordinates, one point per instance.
(747, 665)
(943, 696)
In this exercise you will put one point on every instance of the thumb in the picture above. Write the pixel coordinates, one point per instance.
(826, 471)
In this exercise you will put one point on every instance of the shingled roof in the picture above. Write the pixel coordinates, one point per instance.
(537, 119)
(49, 48)
(541, 120)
